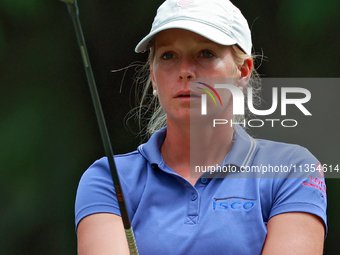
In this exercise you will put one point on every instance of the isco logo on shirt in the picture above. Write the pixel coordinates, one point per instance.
(233, 203)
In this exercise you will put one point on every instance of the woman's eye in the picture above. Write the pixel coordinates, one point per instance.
(206, 54)
(168, 55)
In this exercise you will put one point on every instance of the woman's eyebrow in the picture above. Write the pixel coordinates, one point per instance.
(163, 44)
(205, 41)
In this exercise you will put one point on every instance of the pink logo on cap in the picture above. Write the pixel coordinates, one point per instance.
(183, 3)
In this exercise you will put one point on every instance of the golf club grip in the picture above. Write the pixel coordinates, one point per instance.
(131, 241)
(74, 12)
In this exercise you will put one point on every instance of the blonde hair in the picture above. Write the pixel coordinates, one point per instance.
(254, 82)
(150, 114)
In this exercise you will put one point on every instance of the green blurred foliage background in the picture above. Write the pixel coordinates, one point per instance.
(48, 131)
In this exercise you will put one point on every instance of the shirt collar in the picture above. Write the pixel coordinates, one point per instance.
(152, 149)
(244, 149)
(242, 154)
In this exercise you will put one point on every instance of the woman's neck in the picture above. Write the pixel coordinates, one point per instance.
(186, 147)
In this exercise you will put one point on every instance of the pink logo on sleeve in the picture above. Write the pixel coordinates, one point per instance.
(320, 170)
(316, 183)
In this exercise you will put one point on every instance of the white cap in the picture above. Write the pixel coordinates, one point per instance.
(218, 20)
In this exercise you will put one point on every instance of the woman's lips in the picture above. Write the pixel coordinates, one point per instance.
(187, 97)
(186, 94)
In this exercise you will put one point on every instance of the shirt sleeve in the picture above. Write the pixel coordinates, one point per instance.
(304, 189)
(96, 193)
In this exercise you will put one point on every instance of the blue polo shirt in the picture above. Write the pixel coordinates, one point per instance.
(216, 216)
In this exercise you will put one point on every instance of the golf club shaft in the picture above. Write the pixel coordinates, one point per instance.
(74, 12)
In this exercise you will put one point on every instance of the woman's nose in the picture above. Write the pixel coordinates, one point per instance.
(187, 69)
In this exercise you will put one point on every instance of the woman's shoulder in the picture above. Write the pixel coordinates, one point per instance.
(130, 166)
(285, 156)
(291, 179)
(270, 144)
(264, 153)
(126, 164)
(96, 193)
(283, 150)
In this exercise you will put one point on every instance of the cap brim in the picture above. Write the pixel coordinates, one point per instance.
(202, 29)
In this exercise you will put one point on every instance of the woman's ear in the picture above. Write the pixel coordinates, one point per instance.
(245, 72)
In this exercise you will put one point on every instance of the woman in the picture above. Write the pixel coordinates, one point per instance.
(173, 212)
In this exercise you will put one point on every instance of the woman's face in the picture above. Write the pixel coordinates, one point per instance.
(181, 55)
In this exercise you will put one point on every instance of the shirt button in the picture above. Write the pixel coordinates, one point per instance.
(194, 197)
(204, 180)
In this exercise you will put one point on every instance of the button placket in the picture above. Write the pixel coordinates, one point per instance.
(194, 197)
(204, 180)
(193, 208)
